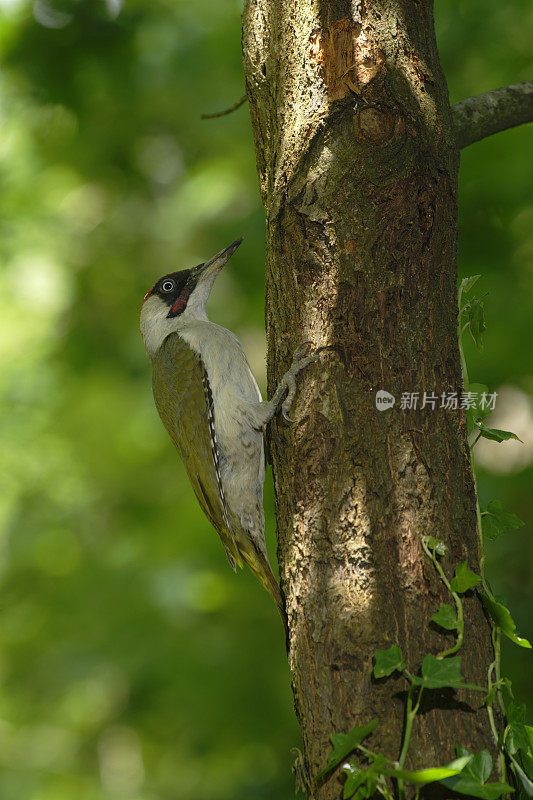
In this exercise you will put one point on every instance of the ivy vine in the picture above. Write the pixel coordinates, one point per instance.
(469, 773)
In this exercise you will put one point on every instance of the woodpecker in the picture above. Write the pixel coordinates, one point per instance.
(209, 402)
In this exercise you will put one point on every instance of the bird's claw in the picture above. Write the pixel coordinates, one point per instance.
(301, 351)
(285, 415)
(303, 356)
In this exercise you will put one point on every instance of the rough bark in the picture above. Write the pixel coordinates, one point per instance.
(358, 174)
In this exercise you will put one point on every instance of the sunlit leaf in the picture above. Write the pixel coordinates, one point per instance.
(495, 434)
(362, 782)
(423, 776)
(439, 673)
(436, 545)
(503, 619)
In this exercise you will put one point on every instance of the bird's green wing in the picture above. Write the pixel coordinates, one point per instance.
(185, 405)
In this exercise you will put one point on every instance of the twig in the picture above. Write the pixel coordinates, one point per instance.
(229, 110)
(485, 114)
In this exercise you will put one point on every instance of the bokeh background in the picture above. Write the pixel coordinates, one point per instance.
(133, 664)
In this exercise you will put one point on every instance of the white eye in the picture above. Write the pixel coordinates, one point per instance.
(168, 286)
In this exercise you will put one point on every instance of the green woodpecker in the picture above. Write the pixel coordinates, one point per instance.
(210, 404)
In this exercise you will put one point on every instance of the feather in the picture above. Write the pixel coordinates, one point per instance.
(185, 404)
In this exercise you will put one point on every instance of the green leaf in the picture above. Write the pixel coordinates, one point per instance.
(516, 713)
(361, 783)
(387, 661)
(502, 619)
(345, 743)
(465, 785)
(489, 699)
(464, 579)
(436, 545)
(495, 520)
(489, 791)
(516, 739)
(476, 319)
(445, 617)
(523, 779)
(439, 673)
(421, 777)
(517, 736)
(355, 777)
(480, 767)
(467, 283)
(529, 732)
(480, 409)
(507, 691)
(472, 780)
(495, 434)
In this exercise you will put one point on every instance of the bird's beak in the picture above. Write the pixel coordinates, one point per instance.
(206, 273)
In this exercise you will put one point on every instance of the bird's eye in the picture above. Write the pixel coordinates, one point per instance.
(168, 286)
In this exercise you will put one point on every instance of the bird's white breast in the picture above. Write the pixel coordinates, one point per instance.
(231, 379)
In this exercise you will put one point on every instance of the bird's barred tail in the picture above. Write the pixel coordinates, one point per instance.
(260, 566)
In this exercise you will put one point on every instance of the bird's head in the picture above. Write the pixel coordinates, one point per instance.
(179, 298)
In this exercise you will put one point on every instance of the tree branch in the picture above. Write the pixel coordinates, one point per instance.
(492, 112)
(229, 110)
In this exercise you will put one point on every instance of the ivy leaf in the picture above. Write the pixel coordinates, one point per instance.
(355, 777)
(502, 684)
(480, 766)
(529, 731)
(387, 661)
(445, 617)
(502, 619)
(516, 740)
(481, 408)
(476, 320)
(421, 777)
(496, 520)
(439, 673)
(467, 283)
(507, 691)
(517, 736)
(361, 783)
(436, 545)
(516, 713)
(524, 780)
(470, 787)
(495, 434)
(345, 743)
(464, 579)
(472, 780)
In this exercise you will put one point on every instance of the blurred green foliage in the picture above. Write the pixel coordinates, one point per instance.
(133, 663)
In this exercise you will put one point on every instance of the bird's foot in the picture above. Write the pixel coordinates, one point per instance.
(299, 361)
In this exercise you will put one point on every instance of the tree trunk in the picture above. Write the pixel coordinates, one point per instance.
(358, 174)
